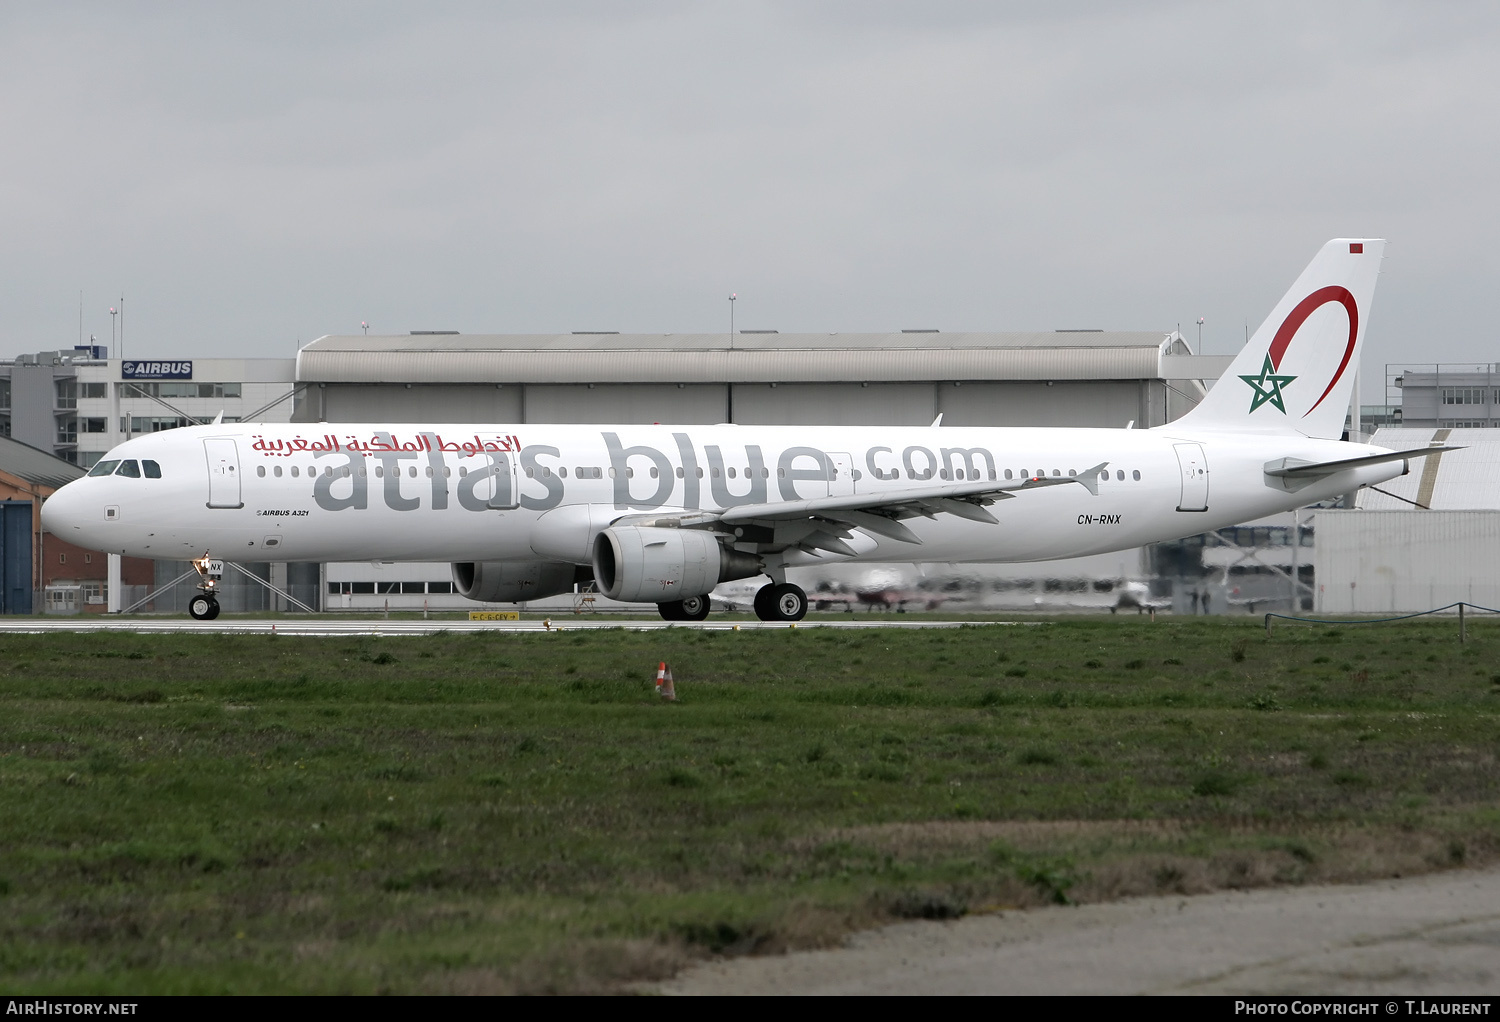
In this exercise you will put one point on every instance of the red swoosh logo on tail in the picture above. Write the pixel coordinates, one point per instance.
(1289, 327)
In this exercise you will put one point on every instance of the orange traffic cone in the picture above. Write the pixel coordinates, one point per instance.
(664, 686)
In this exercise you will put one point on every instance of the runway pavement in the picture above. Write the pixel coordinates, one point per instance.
(1429, 935)
(333, 626)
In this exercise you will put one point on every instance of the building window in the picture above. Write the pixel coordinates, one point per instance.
(1464, 395)
(62, 558)
(5, 393)
(67, 393)
(67, 430)
(93, 390)
(151, 423)
(93, 424)
(181, 389)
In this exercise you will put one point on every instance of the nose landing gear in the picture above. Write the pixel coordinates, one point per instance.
(205, 605)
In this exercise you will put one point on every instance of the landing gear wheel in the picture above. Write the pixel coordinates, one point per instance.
(784, 602)
(203, 607)
(762, 605)
(695, 608)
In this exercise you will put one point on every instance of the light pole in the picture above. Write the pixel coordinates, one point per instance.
(365, 327)
(731, 317)
(113, 343)
(1200, 335)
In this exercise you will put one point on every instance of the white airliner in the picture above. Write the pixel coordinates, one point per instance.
(663, 514)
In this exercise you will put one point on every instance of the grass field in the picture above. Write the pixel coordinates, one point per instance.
(483, 813)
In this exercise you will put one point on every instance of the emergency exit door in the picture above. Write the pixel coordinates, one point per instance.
(223, 473)
(1194, 465)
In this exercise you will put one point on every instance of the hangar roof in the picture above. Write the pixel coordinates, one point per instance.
(35, 466)
(1455, 481)
(745, 358)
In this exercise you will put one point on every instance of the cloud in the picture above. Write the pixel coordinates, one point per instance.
(251, 176)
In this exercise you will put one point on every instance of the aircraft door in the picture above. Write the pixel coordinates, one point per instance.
(504, 496)
(841, 475)
(223, 473)
(1194, 465)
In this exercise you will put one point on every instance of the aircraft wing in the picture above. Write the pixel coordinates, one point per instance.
(824, 522)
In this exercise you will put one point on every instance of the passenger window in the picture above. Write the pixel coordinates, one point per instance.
(1007, 473)
(260, 470)
(104, 468)
(1120, 475)
(129, 469)
(294, 471)
(153, 470)
(277, 470)
(1136, 475)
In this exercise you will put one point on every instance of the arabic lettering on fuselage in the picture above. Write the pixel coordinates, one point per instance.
(640, 477)
(384, 442)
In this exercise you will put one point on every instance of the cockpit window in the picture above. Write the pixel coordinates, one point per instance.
(129, 469)
(153, 470)
(104, 468)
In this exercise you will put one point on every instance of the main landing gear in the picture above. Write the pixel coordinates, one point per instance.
(779, 601)
(694, 608)
(205, 605)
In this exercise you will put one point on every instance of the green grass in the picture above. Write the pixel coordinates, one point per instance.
(498, 812)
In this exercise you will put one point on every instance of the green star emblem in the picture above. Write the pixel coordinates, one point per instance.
(1267, 387)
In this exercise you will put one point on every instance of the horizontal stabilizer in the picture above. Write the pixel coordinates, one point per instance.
(1295, 468)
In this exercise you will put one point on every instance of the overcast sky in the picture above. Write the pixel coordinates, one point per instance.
(250, 175)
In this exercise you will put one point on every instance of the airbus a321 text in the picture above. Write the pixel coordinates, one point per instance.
(663, 514)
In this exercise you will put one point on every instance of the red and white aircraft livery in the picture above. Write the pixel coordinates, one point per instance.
(663, 514)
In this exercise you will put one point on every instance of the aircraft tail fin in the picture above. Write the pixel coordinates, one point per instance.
(1296, 374)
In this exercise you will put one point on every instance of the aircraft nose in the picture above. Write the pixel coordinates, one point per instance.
(63, 513)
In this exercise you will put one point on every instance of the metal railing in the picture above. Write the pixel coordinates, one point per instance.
(1463, 631)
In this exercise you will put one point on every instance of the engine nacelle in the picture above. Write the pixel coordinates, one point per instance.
(514, 581)
(645, 564)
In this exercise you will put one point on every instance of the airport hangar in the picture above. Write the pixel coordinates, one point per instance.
(1062, 378)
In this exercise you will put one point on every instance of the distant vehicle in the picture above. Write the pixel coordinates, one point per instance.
(664, 514)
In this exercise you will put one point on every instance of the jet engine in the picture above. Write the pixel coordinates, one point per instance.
(646, 564)
(514, 581)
